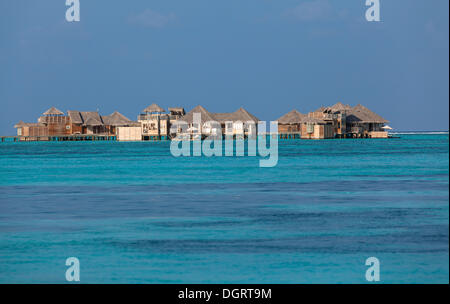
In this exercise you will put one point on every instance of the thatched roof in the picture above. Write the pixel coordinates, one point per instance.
(313, 120)
(240, 114)
(206, 116)
(360, 113)
(75, 117)
(292, 117)
(223, 117)
(85, 118)
(91, 119)
(243, 115)
(153, 108)
(21, 124)
(53, 111)
(116, 119)
(341, 107)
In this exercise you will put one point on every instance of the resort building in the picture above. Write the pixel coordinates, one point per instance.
(316, 128)
(155, 123)
(31, 129)
(289, 125)
(238, 123)
(340, 111)
(333, 118)
(195, 129)
(362, 122)
(125, 129)
(337, 121)
(86, 123)
(54, 123)
(324, 123)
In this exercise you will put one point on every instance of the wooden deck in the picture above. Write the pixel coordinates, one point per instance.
(289, 135)
(76, 137)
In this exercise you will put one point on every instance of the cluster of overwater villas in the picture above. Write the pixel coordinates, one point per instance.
(155, 123)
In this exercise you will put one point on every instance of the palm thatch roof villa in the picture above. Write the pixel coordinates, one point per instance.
(120, 125)
(54, 123)
(290, 124)
(361, 120)
(237, 123)
(154, 123)
(339, 120)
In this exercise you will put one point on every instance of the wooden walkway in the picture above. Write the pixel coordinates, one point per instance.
(76, 137)
(289, 135)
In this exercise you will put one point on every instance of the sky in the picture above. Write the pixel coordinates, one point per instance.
(268, 56)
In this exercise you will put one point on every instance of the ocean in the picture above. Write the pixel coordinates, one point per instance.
(133, 213)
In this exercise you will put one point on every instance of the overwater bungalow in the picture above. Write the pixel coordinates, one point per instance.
(31, 129)
(238, 123)
(333, 116)
(125, 129)
(155, 123)
(201, 127)
(86, 123)
(346, 121)
(115, 120)
(56, 122)
(362, 122)
(92, 123)
(51, 123)
(340, 125)
(289, 125)
(316, 128)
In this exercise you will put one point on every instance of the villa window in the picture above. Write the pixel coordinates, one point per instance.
(229, 126)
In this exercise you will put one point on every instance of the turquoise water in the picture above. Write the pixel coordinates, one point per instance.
(132, 213)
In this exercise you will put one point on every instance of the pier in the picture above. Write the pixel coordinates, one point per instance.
(75, 137)
(289, 135)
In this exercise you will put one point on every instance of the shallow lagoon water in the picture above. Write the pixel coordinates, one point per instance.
(133, 213)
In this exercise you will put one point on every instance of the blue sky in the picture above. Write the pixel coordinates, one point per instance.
(270, 56)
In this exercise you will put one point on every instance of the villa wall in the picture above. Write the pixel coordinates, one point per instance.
(378, 134)
(320, 131)
(129, 133)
